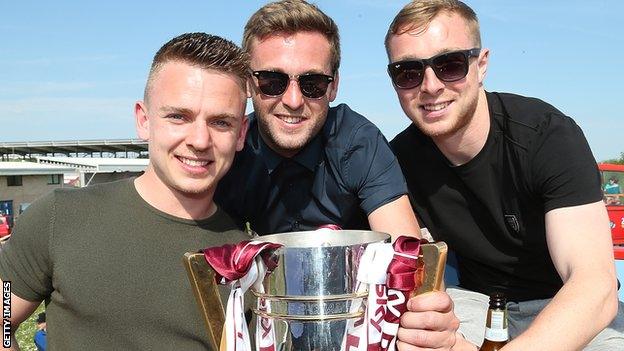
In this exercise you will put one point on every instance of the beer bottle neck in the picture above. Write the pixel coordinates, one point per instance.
(496, 325)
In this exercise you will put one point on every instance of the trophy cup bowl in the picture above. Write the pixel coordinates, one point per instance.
(310, 294)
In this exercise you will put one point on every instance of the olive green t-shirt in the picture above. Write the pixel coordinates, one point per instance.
(111, 266)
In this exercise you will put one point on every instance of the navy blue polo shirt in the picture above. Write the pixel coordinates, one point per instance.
(346, 172)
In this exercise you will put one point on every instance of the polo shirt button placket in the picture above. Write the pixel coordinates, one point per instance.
(295, 225)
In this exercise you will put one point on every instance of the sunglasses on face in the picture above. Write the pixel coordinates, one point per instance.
(448, 67)
(274, 84)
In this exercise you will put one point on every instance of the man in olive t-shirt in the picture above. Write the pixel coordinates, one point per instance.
(108, 258)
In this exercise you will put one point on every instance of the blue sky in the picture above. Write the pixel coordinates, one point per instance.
(72, 70)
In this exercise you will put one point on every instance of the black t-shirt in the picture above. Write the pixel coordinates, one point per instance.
(346, 172)
(490, 211)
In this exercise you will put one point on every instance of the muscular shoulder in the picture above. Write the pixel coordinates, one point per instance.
(518, 105)
(529, 118)
(550, 150)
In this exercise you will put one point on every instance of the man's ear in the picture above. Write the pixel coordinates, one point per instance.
(333, 88)
(250, 87)
(141, 120)
(484, 56)
(240, 141)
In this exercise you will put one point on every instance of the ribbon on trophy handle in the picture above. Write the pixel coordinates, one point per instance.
(404, 273)
(329, 227)
(365, 333)
(241, 266)
(265, 331)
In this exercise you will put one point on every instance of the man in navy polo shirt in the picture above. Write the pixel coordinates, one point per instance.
(305, 164)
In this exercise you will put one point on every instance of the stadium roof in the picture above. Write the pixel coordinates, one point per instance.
(31, 168)
(96, 164)
(102, 147)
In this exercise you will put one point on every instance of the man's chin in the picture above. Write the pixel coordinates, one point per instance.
(194, 190)
(432, 130)
(441, 129)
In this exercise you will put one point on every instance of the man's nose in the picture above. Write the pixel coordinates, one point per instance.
(198, 136)
(431, 84)
(292, 97)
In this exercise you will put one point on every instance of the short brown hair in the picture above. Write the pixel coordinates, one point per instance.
(419, 13)
(203, 50)
(292, 16)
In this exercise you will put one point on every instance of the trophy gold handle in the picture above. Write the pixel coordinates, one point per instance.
(204, 286)
(434, 260)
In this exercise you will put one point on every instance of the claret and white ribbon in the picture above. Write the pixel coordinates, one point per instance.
(401, 281)
(241, 266)
(365, 333)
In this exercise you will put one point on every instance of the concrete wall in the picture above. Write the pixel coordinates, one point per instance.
(33, 186)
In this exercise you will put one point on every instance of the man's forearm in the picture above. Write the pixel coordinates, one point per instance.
(579, 311)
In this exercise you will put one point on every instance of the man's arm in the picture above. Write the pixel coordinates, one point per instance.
(580, 246)
(20, 310)
(395, 218)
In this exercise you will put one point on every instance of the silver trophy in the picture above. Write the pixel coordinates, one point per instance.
(311, 296)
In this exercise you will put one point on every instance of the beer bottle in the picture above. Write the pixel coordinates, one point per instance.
(496, 333)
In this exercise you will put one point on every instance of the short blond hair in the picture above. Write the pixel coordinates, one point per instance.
(418, 14)
(292, 16)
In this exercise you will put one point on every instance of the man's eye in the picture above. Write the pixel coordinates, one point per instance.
(222, 123)
(175, 116)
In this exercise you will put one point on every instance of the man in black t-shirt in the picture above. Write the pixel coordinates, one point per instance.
(508, 182)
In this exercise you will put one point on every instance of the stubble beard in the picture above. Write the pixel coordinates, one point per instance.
(284, 144)
(177, 184)
(463, 119)
(281, 143)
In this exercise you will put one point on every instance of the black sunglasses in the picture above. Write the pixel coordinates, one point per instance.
(312, 85)
(448, 67)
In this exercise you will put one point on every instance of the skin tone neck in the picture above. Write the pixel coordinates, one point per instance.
(183, 205)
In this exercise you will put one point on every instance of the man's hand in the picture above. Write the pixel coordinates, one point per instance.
(429, 323)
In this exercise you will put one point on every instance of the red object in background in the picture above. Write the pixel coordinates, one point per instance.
(614, 202)
(4, 226)
(618, 252)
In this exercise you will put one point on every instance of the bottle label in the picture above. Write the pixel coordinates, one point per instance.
(497, 330)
